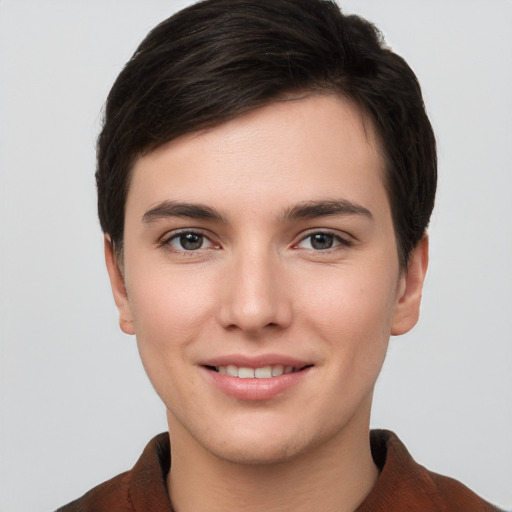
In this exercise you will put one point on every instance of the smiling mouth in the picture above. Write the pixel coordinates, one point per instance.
(264, 372)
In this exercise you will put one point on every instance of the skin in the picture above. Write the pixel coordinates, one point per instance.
(257, 285)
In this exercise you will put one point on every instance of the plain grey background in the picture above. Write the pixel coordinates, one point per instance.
(75, 405)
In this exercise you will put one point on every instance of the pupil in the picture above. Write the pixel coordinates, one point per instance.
(191, 241)
(322, 241)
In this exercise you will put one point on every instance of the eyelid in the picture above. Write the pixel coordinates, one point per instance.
(174, 234)
(344, 240)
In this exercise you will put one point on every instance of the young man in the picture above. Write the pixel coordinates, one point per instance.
(266, 175)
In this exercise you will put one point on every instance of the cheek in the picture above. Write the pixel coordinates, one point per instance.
(169, 313)
(168, 310)
(353, 300)
(353, 315)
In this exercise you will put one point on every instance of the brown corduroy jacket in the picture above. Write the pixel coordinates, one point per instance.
(403, 485)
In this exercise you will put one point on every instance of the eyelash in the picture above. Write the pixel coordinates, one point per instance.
(336, 239)
(167, 241)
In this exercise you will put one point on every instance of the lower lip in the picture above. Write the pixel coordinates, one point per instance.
(255, 389)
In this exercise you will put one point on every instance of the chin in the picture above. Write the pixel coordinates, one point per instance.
(254, 453)
(265, 444)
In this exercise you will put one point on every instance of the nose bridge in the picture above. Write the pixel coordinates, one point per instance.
(255, 296)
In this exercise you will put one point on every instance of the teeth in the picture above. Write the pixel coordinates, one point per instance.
(245, 373)
(277, 370)
(232, 370)
(265, 372)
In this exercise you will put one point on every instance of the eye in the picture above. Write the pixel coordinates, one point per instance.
(189, 241)
(321, 241)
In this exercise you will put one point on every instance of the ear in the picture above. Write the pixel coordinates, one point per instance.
(407, 308)
(118, 289)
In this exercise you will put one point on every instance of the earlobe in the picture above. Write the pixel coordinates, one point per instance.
(118, 288)
(407, 308)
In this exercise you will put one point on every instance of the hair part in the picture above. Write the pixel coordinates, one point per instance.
(218, 59)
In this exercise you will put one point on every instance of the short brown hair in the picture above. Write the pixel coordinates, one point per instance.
(220, 58)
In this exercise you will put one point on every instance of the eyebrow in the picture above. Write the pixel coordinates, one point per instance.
(312, 209)
(303, 210)
(168, 209)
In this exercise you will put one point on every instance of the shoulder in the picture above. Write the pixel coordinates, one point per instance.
(404, 484)
(142, 489)
(110, 496)
(456, 496)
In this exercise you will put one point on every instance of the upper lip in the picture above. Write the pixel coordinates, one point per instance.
(259, 361)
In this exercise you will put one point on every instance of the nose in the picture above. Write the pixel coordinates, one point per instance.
(255, 297)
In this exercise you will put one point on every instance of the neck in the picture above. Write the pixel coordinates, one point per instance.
(335, 476)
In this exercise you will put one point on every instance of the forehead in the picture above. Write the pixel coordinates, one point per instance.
(291, 150)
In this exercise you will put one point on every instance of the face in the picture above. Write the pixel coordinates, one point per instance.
(261, 279)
